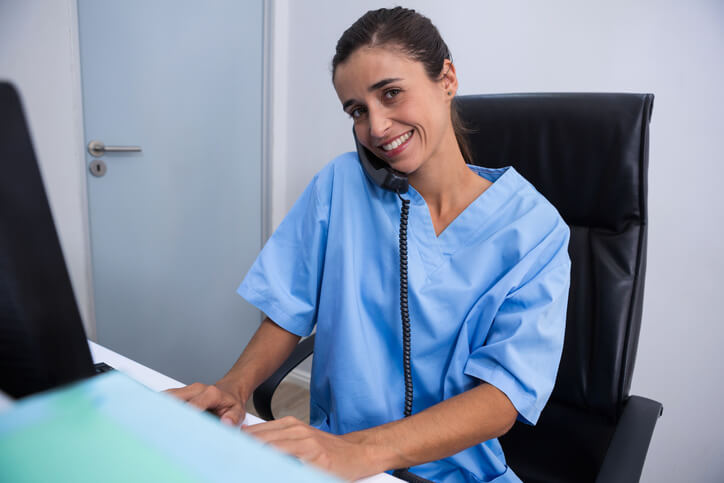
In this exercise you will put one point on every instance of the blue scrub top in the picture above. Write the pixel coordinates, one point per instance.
(487, 302)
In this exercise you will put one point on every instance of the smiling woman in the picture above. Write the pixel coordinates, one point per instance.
(483, 282)
(410, 34)
(403, 118)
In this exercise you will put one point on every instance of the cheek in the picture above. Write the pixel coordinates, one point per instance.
(431, 122)
(427, 112)
(362, 132)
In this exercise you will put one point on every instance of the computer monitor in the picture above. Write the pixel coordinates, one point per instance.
(42, 341)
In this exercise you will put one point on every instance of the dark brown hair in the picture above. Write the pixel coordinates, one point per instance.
(413, 34)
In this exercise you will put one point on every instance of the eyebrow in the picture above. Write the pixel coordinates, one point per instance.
(382, 83)
(371, 88)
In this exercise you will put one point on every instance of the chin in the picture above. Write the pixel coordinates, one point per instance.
(405, 167)
(404, 163)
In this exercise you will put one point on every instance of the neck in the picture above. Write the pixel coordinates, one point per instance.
(443, 177)
(446, 184)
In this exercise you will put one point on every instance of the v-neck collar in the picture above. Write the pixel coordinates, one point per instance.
(434, 250)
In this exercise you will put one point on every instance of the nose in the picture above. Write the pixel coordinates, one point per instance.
(379, 123)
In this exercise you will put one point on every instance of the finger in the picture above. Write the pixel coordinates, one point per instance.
(275, 424)
(233, 416)
(273, 435)
(187, 392)
(211, 398)
(305, 450)
(295, 447)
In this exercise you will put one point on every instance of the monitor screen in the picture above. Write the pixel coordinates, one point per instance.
(42, 341)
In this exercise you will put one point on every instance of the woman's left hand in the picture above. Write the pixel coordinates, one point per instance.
(334, 454)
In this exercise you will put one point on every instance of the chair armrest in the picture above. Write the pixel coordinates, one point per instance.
(626, 453)
(263, 394)
(409, 477)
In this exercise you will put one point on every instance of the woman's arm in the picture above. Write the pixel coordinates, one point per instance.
(267, 350)
(477, 415)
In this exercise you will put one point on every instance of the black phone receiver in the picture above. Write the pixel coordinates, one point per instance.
(378, 171)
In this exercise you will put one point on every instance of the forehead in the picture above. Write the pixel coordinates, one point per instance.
(368, 65)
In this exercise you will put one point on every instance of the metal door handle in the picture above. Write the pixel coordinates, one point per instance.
(97, 148)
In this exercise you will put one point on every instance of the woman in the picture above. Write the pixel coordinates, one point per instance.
(487, 282)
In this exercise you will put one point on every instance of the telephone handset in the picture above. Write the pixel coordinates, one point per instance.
(383, 175)
(380, 172)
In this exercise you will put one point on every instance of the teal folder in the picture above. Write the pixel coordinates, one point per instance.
(112, 429)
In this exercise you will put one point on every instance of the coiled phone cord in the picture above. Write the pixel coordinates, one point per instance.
(404, 473)
(404, 311)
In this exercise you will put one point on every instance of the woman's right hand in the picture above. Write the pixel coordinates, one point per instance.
(219, 399)
(265, 352)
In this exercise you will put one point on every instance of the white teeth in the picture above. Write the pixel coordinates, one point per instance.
(392, 145)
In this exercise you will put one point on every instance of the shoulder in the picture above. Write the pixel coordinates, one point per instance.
(531, 199)
(342, 176)
(344, 167)
(314, 206)
(528, 220)
(517, 196)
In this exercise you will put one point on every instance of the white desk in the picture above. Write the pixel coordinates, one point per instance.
(159, 382)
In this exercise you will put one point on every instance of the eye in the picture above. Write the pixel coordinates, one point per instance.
(357, 112)
(390, 93)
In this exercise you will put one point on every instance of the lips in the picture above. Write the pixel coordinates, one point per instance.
(396, 142)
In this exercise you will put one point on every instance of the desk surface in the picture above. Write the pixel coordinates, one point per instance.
(158, 382)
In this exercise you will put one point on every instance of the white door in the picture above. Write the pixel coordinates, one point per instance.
(176, 226)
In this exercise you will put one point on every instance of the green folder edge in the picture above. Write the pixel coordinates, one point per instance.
(110, 428)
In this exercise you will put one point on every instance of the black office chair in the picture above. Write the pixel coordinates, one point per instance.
(588, 155)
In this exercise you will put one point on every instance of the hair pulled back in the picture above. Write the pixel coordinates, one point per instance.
(411, 33)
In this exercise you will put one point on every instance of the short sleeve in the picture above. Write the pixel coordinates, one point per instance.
(285, 279)
(523, 347)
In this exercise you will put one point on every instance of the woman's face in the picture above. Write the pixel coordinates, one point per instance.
(399, 113)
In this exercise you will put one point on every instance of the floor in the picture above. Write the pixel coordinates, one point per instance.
(290, 399)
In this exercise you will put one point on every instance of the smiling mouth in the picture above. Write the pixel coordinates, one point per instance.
(397, 142)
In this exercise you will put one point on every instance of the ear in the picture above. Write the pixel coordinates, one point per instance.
(449, 79)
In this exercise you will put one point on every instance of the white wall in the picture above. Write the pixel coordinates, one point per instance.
(39, 54)
(673, 49)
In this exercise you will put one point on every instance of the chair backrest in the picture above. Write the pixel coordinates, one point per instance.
(588, 155)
